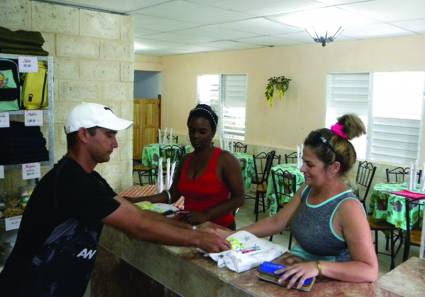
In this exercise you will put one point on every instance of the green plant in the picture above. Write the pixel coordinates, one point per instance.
(279, 84)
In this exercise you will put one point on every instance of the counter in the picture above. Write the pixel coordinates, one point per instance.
(129, 267)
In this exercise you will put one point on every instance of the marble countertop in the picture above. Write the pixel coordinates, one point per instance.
(186, 272)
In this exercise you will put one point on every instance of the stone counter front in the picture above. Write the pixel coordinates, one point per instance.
(129, 267)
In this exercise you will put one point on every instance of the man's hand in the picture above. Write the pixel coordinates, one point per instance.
(196, 218)
(211, 243)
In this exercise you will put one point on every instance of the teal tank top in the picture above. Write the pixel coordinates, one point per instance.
(312, 227)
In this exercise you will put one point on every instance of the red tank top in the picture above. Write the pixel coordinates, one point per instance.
(205, 191)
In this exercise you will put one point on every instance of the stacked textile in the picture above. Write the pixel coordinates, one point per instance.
(21, 144)
(21, 42)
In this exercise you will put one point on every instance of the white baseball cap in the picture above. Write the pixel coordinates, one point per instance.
(88, 115)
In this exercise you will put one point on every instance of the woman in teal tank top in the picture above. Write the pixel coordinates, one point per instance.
(327, 220)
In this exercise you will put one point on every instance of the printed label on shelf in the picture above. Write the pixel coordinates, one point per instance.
(30, 170)
(28, 64)
(33, 118)
(12, 223)
(4, 120)
(1, 171)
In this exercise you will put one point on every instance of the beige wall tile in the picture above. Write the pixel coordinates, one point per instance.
(75, 46)
(67, 68)
(49, 43)
(117, 50)
(117, 91)
(55, 18)
(127, 28)
(78, 91)
(15, 14)
(100, 70)
(127, 72)
(99, 24)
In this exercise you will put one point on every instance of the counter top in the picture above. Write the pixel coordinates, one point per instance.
(185, 272)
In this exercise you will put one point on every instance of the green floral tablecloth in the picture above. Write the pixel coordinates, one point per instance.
(389, 207)
(270, 195)
(150, 154)
(247, 166)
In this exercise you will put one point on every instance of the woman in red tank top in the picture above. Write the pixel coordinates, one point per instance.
(209, 179)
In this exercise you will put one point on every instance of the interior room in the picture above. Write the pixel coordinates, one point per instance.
(258, 77)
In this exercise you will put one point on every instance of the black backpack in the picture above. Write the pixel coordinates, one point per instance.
(10, 91)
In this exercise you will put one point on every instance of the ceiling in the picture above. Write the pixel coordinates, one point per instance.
(169, 27)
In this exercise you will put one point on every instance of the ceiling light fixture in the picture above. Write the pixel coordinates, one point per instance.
(324, 36)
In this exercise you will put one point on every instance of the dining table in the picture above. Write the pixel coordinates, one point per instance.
(386, 205)
(270, 195)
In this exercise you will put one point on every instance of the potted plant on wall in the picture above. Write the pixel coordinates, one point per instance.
(276, 85)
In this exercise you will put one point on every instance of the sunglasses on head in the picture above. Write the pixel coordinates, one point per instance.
(319, 138)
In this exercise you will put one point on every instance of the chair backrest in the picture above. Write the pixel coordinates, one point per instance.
(284, 185)
(174, 140)
(399, 174)
(240, 147)
(262, 165)
(364, 177)
(413, 234)
(172, 152)
(291, 158)
(396, 175)
(276, 160)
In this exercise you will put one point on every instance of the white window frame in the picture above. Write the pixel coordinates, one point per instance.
(392, 151)
(237, 132)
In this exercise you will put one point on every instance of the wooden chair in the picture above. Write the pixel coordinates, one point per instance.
(284, 186)
(291, 158)
(240, 147)
(399, 174)
(364, 178)
(143, 171)
(413, 233)
(262, 165)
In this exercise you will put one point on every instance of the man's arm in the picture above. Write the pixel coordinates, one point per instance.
(149, 227)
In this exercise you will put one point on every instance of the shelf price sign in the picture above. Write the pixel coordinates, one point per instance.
(33, 118)
(31, 170)
(4, 120)
(12, 223)
(28, 64)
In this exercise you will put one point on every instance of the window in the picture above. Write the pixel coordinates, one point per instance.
(389, 103)
(226, 93)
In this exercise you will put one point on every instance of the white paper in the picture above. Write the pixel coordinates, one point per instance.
(31, 170)
(4, 120)
(160, 185)
(1, 171)
(165, 140)
(12, 223)
(28, 64)
(33, 118)
(167, 184)
(173, 167)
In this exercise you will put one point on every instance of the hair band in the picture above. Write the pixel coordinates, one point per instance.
(338, 129)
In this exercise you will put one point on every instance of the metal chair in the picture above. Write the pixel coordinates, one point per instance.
(262, 165)
(174, 140)
(240, 147)
(291, 158)
(413, 233)
(284, 186)
(398, 175)
(364, 177)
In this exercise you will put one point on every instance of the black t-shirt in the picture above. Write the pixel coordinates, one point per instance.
(56, 245)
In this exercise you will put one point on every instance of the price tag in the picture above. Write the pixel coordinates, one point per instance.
(12, 223)
(4, 120)
(27, 64)
(33, 118)
(1, 171)
(31, 170)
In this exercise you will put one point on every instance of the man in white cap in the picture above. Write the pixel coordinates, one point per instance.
(56, 246)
